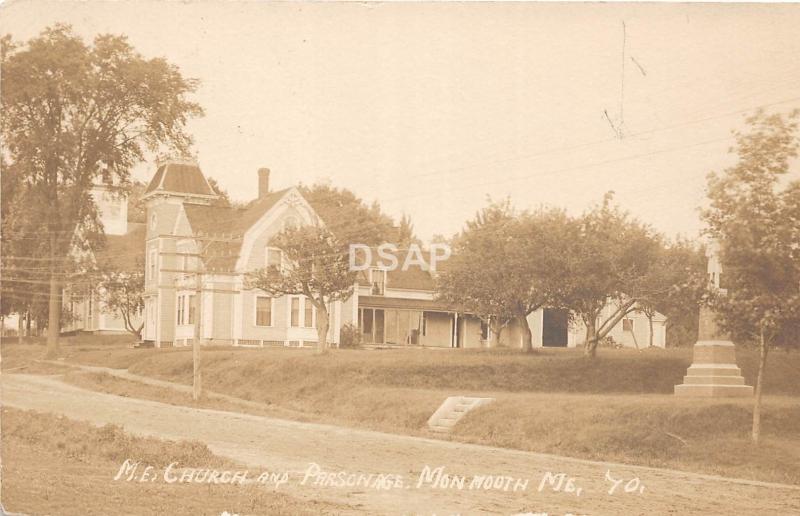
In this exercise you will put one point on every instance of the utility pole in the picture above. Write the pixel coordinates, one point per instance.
(197, 388)
(204, 241)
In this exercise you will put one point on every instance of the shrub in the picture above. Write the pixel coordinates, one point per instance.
(349, 337)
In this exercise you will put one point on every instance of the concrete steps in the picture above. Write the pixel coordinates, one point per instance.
(452, 410)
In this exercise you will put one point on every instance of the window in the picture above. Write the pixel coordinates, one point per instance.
(308, 316)
(192, 308)
(366, 322)
(153, 264)
(263, 311)
(378, 280)
(627, 325)
(153, 221)
(186, 308)
(274, 259)
(295, 316)
(380, 326)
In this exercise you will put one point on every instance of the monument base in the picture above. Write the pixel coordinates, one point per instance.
(714, 372)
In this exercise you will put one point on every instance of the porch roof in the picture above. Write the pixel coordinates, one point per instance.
(403, 303)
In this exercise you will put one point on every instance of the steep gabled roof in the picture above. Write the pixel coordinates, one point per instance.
(228, 219)
(227, 225)
(124, 252)
(257, 208)
(183, 178)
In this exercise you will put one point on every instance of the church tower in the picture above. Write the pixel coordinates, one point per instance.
(176, 183)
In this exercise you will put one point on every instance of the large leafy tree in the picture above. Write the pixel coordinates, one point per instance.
(24, 279)
(539, 258)
(123, 294)
(75, 114)
(755, 219)
(351, 219)
(612, 255)
(474, 279)
(315, 264)
(507, 265)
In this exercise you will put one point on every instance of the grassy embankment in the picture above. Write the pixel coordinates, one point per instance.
(53, 465)
(617, 408)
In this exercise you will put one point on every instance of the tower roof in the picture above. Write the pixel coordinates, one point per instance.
(180, 177)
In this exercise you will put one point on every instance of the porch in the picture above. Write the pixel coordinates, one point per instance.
(407, 322)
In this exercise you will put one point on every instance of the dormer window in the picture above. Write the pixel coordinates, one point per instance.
(274, 259)
(378, 281)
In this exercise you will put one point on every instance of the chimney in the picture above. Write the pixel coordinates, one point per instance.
(263, 182)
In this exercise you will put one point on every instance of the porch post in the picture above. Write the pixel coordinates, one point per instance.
(454, 339)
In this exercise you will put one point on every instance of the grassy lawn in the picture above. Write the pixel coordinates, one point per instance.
(53, 465)
(702, 435)
(617, 408)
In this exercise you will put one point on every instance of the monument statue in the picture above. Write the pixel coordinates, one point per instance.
(713, 372)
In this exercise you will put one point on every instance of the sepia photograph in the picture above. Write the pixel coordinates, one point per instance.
(424, 258)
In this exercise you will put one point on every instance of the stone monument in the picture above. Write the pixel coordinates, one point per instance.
(713, 372)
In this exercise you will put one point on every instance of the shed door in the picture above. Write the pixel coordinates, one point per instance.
(554, 328)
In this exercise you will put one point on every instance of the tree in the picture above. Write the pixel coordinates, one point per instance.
(539, 257)
(609, 263)
(755, 223)
(137, 212)
(405, 232)
(74, 114)
(507, 265)
(224, 199)
(674, 286)
(473, 280)
(19, 275)
(123, 294)
(25, 259)
(349, 218)
(315, 264)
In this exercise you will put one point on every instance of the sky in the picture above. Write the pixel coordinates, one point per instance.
(432, 108)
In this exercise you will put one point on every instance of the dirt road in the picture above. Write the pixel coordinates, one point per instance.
(279, 445)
